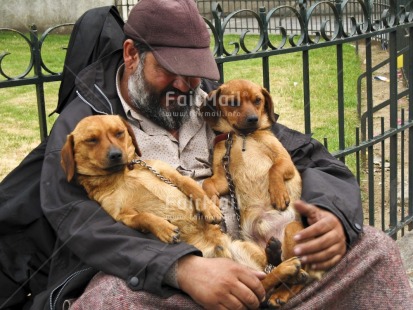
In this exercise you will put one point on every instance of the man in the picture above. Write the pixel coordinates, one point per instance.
(154, 83)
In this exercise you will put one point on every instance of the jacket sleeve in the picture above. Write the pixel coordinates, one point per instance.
(90, 233)
(327, 182)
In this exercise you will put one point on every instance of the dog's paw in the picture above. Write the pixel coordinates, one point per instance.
(273, 251)
(279, 297)
(302, 278)
(280, 199)
(210, 212)
(284, 273)
(215, 199)
(290, 269)
(275, 302)
(282, 295)
(169, 233)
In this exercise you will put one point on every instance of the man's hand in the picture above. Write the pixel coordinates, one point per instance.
(323, 243)
(220, 283)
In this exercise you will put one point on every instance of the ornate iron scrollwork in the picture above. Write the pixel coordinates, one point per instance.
(34, 45)
(44, 37)
(309, 23)
(3, 55)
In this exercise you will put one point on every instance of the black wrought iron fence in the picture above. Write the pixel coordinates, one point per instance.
(383, 149)
(283, 16)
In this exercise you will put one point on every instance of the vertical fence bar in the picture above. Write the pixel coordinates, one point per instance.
(393, 125)
(340, 99)
(306, 73)
(340, 84)
(37, 67)
(358, 170)
(265, 59)
(306, 90)
(383, 177)
(370, 150)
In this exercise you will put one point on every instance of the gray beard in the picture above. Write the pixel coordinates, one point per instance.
(148, 102)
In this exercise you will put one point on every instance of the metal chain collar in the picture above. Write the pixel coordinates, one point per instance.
(156, 173)
(226, 160)
(231, 186)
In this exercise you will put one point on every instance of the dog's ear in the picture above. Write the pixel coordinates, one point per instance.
(132, 135)
(67, 160)
(269, 106)
(210, 109)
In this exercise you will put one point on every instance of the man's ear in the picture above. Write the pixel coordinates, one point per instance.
(130, 54)
(269, 105)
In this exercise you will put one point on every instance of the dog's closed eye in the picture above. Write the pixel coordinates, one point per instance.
(120, 134)
(92, 140)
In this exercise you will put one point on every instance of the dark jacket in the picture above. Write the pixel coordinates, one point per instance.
(90, 240)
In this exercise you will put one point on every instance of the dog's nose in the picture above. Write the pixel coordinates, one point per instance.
(115, 155)
(252, 119)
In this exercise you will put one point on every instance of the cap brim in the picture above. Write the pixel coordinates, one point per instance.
(195, 62)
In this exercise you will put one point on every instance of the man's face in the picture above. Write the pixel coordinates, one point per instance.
(161, 96)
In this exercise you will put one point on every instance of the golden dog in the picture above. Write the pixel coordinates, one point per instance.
(264, 176)
(100, 153)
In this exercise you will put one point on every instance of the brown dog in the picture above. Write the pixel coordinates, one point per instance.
(100, 151)
(264, 176)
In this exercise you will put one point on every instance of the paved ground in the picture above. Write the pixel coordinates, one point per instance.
(406, 249)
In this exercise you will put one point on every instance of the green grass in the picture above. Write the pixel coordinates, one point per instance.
(53, 52)
(19, 130)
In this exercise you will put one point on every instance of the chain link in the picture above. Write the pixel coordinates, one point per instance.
(231, 186)
(156, 173)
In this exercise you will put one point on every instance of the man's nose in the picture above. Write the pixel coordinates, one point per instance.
(185, 83)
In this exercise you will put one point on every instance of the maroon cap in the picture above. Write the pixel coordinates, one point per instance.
(176, 34)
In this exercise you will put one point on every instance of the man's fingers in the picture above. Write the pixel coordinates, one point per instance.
(323, 243)
(320, 244)
(231, 302)
(316, 230)
(323, 255)
(244, 295)
(305, 209)
(326, 264)
(255, 286)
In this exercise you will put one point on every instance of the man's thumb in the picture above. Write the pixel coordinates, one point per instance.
(303, 208)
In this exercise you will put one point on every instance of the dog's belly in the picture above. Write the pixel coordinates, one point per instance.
(259, 219)
(250, 174)
(260, 225)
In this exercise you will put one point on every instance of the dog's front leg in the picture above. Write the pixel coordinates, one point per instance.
(281, 171)
(201, 202)
(280, 199)
(148, 222)
(216, 185)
